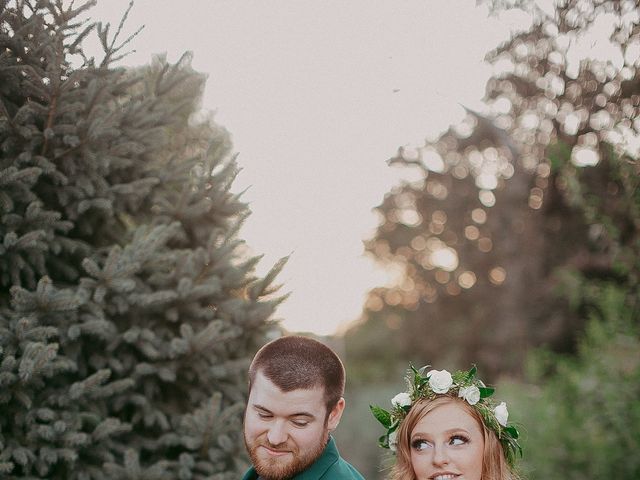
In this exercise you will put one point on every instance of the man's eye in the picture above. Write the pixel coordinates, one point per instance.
(300, 423)
(458, 440)
(264, 415)
(420, 445)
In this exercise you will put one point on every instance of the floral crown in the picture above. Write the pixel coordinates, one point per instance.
(462, 384)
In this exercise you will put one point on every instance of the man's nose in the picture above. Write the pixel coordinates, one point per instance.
(277, 433)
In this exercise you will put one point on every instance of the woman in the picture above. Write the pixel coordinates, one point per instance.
(446, 426)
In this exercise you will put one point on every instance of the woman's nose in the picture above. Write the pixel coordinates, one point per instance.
(440, 455)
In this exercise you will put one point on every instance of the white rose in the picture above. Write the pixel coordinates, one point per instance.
(502, 414)
(471, 394)
(402, 399)
(440, 381)
(393, 441)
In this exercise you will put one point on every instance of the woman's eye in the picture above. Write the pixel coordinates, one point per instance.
(458, 440)
(419, 445)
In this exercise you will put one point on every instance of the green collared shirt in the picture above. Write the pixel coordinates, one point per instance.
(329, 466)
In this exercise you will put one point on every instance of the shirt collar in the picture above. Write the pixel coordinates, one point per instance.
(321, 465)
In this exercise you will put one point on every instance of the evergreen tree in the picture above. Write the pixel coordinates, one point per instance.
(129, 309)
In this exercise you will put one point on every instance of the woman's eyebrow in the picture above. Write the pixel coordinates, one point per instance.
(446, 432)
(456, 430)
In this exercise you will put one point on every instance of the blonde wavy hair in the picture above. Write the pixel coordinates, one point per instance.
(494, 463)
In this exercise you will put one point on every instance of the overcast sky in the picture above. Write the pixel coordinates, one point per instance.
(317, 96)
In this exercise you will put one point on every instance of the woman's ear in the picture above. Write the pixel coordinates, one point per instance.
(335, 415)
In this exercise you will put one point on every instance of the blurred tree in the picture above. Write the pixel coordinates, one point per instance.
(128, 308)
(508, 198)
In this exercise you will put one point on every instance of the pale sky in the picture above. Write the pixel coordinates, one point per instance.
(317, 96)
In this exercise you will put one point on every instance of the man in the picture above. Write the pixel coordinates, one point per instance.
(295, 401)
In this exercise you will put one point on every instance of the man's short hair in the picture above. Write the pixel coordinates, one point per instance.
(295, 362)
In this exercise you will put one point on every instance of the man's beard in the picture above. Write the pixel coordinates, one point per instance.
(280, 468)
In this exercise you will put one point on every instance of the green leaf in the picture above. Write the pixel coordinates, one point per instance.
(513, 431)
(417, 378)
(513, 447)
(420, 377)
(381, 415)
(472, 373)
(486, 391)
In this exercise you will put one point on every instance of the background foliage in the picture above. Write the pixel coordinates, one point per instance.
(585, 420)
(520, 246)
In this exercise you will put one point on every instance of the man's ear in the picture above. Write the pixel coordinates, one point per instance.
(335, 415)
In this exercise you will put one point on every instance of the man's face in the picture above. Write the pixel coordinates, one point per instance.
(285, 432)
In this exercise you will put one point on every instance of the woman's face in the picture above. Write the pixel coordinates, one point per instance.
(447, 443)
